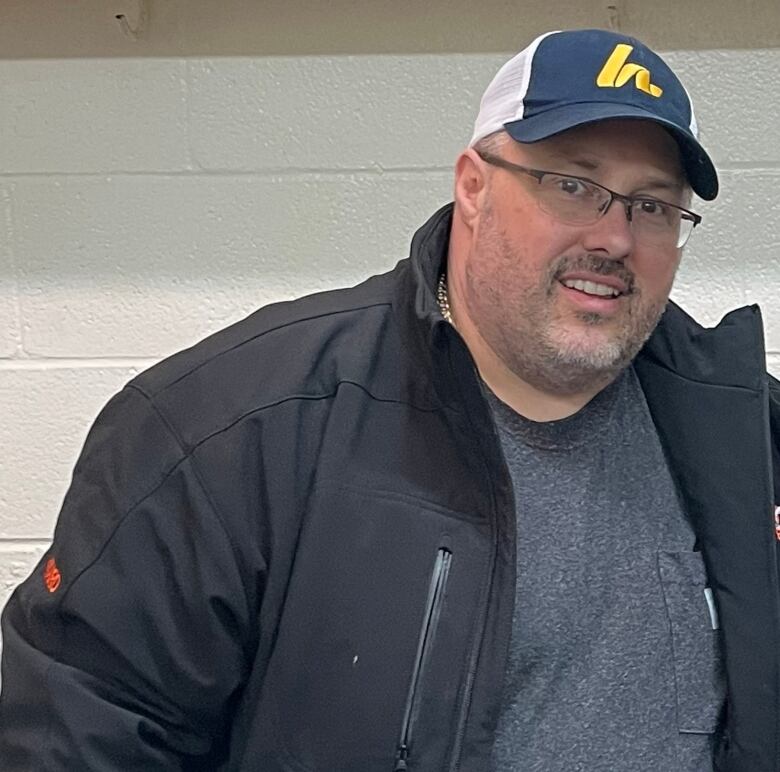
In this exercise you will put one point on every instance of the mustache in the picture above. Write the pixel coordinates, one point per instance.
(601, 266)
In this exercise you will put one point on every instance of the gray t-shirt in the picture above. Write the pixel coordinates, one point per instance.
(614, 664)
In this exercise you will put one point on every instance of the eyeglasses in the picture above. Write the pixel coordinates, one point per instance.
(580, 201)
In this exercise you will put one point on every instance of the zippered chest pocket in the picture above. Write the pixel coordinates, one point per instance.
(700, 682)
(428, 628)
(374, 643)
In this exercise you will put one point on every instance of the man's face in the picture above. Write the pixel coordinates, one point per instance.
(513, 282)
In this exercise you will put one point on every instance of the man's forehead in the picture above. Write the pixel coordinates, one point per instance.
(592, 146)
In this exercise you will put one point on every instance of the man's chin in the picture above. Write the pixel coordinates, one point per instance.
(594, 351)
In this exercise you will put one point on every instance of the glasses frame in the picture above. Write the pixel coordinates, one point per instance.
(627, 201)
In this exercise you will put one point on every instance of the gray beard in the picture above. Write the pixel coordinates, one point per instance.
(566, 370)
(533, 343)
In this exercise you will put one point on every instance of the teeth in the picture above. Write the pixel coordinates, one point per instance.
(591, 288)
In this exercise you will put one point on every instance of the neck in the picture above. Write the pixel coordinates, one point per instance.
(532, 401)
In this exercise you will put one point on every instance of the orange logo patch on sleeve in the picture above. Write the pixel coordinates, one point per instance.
(52, 577)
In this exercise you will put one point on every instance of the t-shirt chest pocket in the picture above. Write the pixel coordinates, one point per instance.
(696, 641)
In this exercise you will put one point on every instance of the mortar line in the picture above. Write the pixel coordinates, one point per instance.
(78, 363)
(287, 172)
(374, 170)
(32, 541)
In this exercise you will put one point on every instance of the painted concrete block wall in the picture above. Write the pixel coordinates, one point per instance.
(145, 203)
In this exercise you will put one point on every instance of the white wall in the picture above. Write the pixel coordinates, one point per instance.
(145, 202)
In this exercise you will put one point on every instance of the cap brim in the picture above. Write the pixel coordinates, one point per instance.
(699, 169)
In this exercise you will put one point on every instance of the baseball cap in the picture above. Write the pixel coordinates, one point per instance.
(573, 77)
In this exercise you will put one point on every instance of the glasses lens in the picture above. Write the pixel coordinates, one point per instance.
(686, 228)
(656, 222)
(571, 199)
(579, 202)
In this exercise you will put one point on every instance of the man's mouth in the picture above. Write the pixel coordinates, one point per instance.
(592, 288)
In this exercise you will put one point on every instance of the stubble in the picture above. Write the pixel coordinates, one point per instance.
(519, 314)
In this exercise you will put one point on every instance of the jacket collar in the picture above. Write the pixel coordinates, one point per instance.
(425, 334)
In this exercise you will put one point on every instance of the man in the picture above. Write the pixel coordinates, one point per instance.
(485, 512)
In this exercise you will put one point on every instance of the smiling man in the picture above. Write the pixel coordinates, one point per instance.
(556, 279)
(505, 508)
(567, 231)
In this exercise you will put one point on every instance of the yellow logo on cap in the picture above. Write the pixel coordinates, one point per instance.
(616, 72)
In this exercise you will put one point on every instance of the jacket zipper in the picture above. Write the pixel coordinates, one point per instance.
(438, 583)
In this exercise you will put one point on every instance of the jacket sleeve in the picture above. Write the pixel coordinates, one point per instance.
(124, 648)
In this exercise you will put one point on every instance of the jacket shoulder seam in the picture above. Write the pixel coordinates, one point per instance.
(312, 397)
(187, 455)
(264, 332)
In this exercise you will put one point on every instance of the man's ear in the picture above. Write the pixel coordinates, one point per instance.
(470, 186)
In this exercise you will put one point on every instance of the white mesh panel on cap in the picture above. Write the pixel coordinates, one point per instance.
(502, 101)
(694, 126)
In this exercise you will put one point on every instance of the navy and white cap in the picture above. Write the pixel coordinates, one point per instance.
(570, 78)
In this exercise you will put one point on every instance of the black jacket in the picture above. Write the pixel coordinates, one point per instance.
(291, 547)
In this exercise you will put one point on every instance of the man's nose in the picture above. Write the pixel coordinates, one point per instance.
(612, 233)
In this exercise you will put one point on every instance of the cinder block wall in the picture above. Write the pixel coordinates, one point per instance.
(147, 202)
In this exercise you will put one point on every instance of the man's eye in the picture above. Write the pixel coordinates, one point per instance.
(653, 208)
(571, 186)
